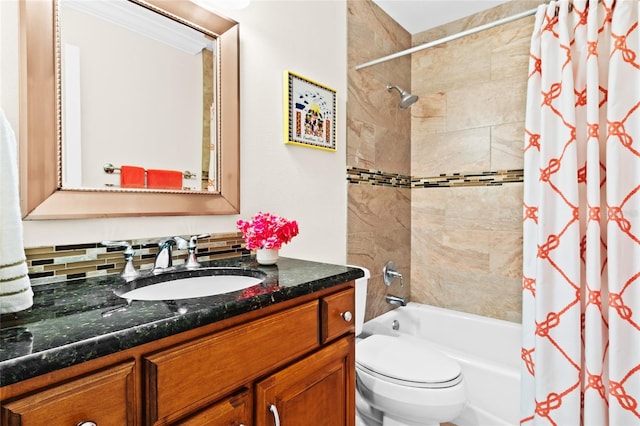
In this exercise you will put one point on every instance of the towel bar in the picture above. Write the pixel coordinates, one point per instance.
(110, 168)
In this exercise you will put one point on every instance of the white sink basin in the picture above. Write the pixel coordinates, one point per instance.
(192, 287)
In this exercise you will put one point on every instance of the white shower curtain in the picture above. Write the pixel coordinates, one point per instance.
(581, 266)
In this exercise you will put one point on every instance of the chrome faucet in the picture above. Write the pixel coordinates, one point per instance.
(129, 272)
(396, 300)
(164, 258)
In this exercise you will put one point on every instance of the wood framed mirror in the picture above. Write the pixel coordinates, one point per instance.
(42, 193)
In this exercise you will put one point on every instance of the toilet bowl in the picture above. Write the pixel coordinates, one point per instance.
(402, 380)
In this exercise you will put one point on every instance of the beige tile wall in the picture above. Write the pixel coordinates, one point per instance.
(467, 241)
(464, 243)
(379, 217)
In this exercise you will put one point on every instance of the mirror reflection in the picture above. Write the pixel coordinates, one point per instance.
(138, 94)
(44, 196)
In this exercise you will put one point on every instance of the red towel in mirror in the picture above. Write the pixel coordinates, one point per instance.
(164, 179)
(131, 177)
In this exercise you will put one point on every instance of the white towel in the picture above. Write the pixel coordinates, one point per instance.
(15, 287)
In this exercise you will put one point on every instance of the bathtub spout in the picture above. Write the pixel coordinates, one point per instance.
(396, 300)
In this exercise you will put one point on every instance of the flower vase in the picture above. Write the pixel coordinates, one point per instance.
(267, 256)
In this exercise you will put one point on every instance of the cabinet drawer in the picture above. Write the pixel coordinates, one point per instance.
(338, 314)
(190, 376)
(232, 411)
(106, 397)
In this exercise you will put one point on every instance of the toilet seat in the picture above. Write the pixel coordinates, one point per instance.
(407, 361)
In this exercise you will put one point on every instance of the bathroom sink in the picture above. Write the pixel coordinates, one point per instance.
(210, 284)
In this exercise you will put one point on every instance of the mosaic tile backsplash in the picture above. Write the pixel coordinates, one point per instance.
(65, 262)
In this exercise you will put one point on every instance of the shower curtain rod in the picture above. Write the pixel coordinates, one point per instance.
(449, 38)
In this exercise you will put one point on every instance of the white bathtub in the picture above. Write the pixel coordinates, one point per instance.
(487, 349)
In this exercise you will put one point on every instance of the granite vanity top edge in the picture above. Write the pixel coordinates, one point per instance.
(157, 322)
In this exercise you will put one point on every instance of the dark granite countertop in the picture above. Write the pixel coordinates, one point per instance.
(79, 320)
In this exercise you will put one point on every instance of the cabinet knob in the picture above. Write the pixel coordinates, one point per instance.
(276, 416)
(87, 423)
(347, 316)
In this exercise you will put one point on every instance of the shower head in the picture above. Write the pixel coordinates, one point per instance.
(407, 99)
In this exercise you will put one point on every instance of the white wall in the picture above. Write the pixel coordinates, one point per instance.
(308, 37)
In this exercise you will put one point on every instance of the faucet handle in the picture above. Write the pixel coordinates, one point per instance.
(389, 273)
(129, 271)
(192, 261)
(194, 238)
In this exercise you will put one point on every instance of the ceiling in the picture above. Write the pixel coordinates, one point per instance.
(416, 16)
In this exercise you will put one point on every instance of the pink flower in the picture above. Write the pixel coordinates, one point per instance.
(266, 230)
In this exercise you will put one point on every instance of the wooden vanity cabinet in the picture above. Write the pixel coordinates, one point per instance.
(298, 357)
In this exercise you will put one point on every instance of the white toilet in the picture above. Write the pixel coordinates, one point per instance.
(402, 380)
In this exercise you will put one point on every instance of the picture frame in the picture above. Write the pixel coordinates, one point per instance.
(310, 113)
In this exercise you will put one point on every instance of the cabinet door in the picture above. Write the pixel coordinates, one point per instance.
(232, 411)
(105, 397)
(319, 390)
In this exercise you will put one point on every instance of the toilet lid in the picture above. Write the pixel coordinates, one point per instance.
(407, 359)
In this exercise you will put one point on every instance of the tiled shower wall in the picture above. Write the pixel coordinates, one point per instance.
(467, 241)
(378, 135)
(458, 219)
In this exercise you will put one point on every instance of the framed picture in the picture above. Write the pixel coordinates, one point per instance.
(310, 113)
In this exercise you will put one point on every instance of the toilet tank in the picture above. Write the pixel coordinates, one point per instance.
(361, 297)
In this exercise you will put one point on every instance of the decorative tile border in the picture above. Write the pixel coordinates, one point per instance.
(375, 177)
(66, 262)
(492, 178)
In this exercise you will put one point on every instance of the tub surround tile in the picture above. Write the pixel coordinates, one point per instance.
(507, 146)
(510, 45)
(69, 322)
(506, 255)
(466, 253)
(487, 295)
(465, 140)
(377, 208)
(464, 261)
(378, 147)
(484, 208)
(429, 115)
(489, 104)
(467, 62)
(360, 153)
(374, 120)
(442, 153)
(373, 32)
